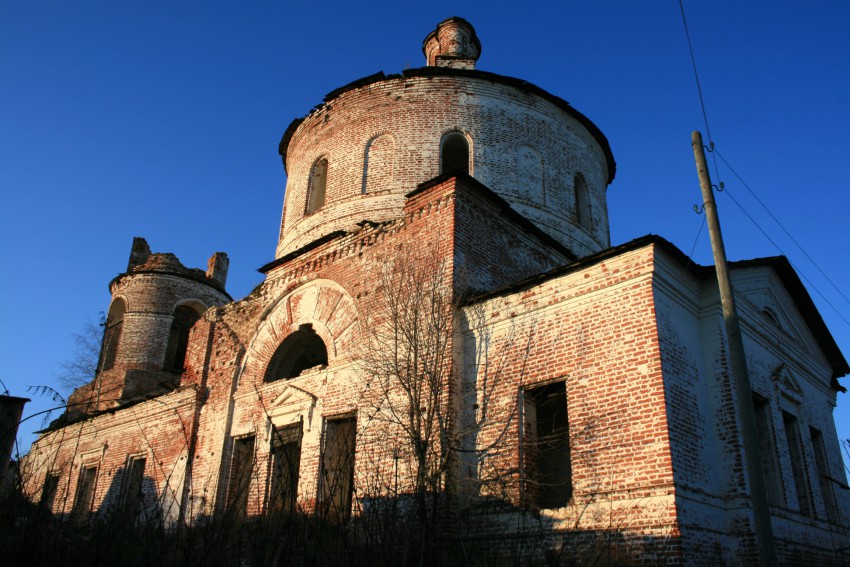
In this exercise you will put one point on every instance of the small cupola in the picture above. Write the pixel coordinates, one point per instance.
(453, 44)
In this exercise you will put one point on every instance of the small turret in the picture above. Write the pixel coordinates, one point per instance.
(154, 305)
(452, 44)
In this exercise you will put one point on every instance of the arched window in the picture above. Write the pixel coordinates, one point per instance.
(300, 351)
(317, 185)
(111, 334)
(582, 201)
(454, 153)
(771, 316)
(178, 338)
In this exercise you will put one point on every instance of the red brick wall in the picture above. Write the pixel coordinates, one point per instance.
(416, 112)
(157, 430)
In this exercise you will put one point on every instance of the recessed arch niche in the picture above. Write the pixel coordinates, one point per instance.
(288, 339)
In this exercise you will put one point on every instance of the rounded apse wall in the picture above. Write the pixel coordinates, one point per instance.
(369, 144)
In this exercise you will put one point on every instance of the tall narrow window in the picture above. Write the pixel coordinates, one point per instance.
(317, 185)
(85, 493)
(300, 351)
(241, 467)
(132, 495)
(547, 469)
(48, 492)
(582, 201)
(337, 468)
(798, 465)
(178, 338)
(286, 460)
(112, 334)
(824, 478)
(767, 450)
(454, 153)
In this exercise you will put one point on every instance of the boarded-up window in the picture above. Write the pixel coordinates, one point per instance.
(529, 174)
(767, 450)
(317, 185)
(241, 468)
(337, 472)
(582, 202)
(454, 153)
(798, 464)
(48, 492)
(112, 334)
(132, 495)
(85, 493)
(378, 164)
(547, 469)
(286, 462)
(178, 338)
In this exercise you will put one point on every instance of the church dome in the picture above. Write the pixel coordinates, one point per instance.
(357, 155)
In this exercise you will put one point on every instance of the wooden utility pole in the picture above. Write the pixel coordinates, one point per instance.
(743, 391)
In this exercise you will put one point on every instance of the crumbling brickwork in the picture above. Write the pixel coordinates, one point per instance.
(584, 390)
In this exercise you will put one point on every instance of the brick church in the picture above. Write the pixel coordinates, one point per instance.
(445, 314)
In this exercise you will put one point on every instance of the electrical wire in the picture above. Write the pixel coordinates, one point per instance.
(787, 233)
(696, 239)
(699, 89)
(796, 269)
(690, 261)
(715, 154)
(704, 115)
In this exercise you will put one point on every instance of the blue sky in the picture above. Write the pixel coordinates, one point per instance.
(162, 120)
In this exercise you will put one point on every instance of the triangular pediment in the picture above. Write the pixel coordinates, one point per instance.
(770, 308)
(292, 404)
(781, 290)
(788, 384)
(291, 400)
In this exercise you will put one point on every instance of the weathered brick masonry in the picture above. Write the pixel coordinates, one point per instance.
(588, 386)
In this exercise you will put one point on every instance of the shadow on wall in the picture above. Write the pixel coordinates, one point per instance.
(132, 499)
(128, 530)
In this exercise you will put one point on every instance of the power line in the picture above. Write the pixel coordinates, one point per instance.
(696, 238)
(788, 234)
(696, 74)
(715, 154)
(798, 270)
(699, 88)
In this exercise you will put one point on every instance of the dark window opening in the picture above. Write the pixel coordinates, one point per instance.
(132, 495)
(241, 468)
(300, 351)
(111, 335)
(48, 492)
(768, 312)
(316, 186)
(178, 338)
(767, 450)
(286, 460)
(85, 493)
(582, 201)
(337, 469)
(546, 447)
(824, 478)
(798, 465)
(454, 155)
